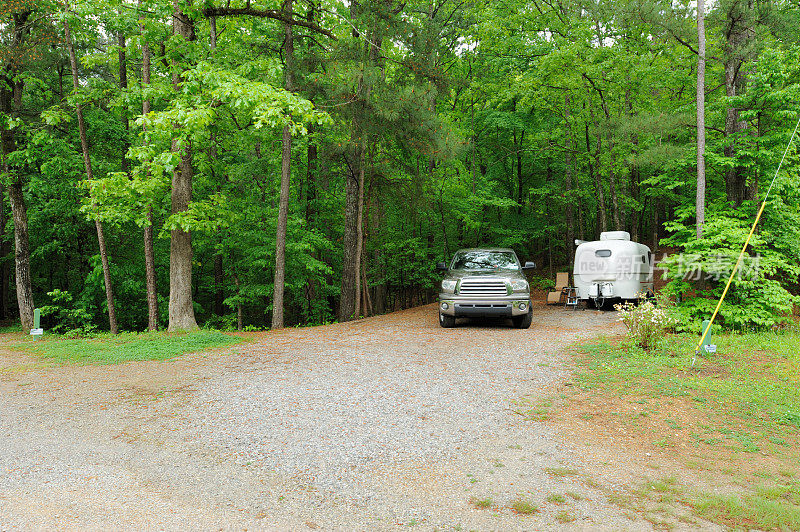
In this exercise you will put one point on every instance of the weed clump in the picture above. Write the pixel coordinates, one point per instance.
(524, 506)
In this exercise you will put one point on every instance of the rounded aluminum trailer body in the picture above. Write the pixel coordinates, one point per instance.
(613, 268)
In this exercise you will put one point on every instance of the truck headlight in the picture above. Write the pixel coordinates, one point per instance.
(449, 286)
(519, 285)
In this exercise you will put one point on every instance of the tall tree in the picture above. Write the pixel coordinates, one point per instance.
(149, 253)
(700, 200)
(739, 32)
(11, 86)
(368, 45)
(286, 173)
(181, 306)
(87, 162)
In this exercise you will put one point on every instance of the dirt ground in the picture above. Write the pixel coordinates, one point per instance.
(380, 424)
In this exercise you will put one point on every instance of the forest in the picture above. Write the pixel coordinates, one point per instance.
(169, 164)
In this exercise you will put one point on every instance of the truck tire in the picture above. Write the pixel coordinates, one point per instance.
(447, 321)
(523, 322)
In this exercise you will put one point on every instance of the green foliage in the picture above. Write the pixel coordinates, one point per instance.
(125, 347)
(69, 319)
(481, 125)
(698, 275)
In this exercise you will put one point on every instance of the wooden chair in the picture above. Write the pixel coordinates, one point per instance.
(562, 282)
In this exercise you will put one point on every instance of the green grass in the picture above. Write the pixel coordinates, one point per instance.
(560, 471)
(483, 504)
(524, 506)
(753, 377)
(12, 328)
(748, 393)
(769, 508)
(556, 498)
(125, 347)
(565, 517)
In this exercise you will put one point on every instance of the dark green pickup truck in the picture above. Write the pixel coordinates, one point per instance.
(483, 283)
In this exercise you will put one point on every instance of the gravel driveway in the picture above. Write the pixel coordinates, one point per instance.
(384, 423)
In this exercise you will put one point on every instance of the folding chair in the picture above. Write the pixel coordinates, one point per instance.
(562, 282)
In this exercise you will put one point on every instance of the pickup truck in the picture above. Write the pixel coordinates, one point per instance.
(485, 282)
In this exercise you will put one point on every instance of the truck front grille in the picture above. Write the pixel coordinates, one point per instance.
(482, 287)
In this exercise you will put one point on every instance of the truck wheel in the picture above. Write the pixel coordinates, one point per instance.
(447, 321)
(523, 322)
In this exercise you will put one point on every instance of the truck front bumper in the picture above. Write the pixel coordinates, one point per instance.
(481, 308)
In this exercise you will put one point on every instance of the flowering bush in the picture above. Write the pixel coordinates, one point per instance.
(646, 321)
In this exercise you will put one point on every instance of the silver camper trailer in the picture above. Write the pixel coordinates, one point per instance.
(612, 268)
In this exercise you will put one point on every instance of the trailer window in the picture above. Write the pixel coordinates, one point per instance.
(602, 253)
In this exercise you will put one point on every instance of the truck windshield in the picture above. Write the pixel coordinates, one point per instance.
(485, 260)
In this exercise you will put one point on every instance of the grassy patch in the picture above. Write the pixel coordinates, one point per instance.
(533, 410)
(483, 504)
(10, 328)
(556, 498)
(125, 347)
(769, 508)
(736, 411)
(560, 471)
(524, 506)
(753, 373)
(565, 517)
(750, 389)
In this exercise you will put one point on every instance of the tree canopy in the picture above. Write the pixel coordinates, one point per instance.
(398, 132)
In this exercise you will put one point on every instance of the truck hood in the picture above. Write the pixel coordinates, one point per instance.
(497, 274)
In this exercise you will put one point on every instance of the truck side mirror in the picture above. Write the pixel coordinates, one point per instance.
(441, 266)
(529, 266)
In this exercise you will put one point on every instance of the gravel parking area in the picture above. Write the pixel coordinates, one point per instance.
(384, 423)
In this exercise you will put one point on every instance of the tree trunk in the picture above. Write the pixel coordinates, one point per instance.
(22, 255)
(286, 173)
(739, 32)
(239, 313)
(5, 249)
(149, 254)
(349, 303)
(655, 226)
(311, 182)
(598, 180)
(87, 163)
(568, 181)
(312, 285)
(520, 179)
(150, 274)
(616, 212)
(123, 83)
(219, 296)
(181, 307)
(700, 200)
(10, 103)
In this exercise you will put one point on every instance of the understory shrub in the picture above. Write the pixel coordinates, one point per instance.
(759, 296)
(647, 321)
(67, 317)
